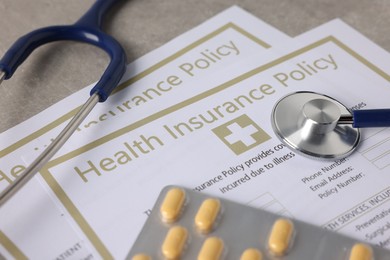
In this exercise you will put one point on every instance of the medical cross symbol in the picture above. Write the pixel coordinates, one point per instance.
(241, 134)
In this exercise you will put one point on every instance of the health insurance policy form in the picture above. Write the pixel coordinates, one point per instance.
(219, 140)
(52, 234)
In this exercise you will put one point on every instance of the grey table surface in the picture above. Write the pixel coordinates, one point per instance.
(59, 69)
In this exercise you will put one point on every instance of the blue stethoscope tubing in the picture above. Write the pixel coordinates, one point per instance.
(86, 30)
(371, 118)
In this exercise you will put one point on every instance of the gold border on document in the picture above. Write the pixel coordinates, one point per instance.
(65, 200)
(11, 247)
(133, 79)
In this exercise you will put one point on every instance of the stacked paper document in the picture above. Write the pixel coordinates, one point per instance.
(196, 113)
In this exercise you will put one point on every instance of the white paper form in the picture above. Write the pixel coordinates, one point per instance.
(221, 142)
(368, 219)
(224, 39)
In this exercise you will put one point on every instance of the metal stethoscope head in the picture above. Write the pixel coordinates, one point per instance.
(318, 126)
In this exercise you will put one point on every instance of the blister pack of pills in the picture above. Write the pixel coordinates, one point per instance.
(185, 224)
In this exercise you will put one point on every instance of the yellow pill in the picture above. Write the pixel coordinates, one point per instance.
(141, 257)
(212, 249)
(361, 251)
(206, 215)
(251, 254)
(172, 205)
(280, 236)
(174, 242)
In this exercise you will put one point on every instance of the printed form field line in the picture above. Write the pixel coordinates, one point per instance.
(268, 202)
(61, 194)
(377, 149)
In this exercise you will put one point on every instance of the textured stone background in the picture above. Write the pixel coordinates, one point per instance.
(59, 69)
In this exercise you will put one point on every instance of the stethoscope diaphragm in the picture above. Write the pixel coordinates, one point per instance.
(309, 123)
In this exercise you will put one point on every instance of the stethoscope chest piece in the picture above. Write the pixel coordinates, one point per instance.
(308, 123)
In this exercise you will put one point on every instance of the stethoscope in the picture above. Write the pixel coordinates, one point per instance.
(87, 30)
(320, 127)
(312, 124)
